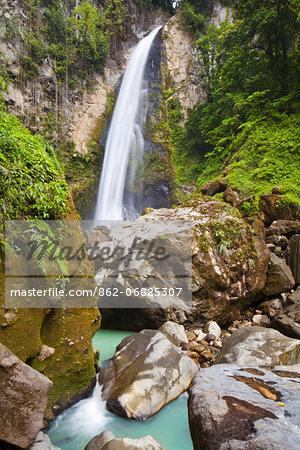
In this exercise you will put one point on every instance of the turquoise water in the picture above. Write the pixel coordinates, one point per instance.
(75, 427)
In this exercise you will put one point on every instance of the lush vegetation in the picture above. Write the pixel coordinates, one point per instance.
(31, 181)
(249, 122)
(194, 13)
(76, 38)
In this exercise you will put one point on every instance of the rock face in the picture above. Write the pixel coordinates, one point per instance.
(279, 277)
(258, 346)
(34, 335)
(221, 13)
(233, 407)
(182, 64)
(107, 441)
(24, 396)
(146, 373)
(182, 59)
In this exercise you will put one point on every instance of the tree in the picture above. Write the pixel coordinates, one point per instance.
(116, 15)
(272, 26)
(87, 36)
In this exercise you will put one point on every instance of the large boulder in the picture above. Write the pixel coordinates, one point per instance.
(232, 196)
(107, 441)
(229, 266)
(146, 373)
(23, 399)
(234, 407)
(288, 322)
(56, 343)
(259, 346)
(214, 187)
(279, 277)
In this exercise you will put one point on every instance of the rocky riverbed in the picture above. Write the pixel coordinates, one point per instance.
(235, 350)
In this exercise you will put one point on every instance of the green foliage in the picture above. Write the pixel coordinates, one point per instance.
(165, 4)
(190, 19)
(193, 14)
(11, 30)
(267, 156)
(36, 47)
(250, 74)
(55, 22)
(29, 67)
(87, 37)
(116, 16)
(31, 181)
(5, 73)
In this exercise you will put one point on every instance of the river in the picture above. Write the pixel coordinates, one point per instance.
(75, 427)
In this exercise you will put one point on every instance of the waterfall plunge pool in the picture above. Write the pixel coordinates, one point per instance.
(76, 426)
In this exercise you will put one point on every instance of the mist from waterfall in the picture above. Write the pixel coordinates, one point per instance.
(124, 148)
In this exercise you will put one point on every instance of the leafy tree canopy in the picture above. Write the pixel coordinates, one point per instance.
(250, 70)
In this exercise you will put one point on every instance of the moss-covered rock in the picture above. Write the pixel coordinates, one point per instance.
(72, 366)
(69, 332)
(229, 267)
(229, 262)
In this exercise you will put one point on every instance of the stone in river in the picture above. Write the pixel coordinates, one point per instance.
(146, 373)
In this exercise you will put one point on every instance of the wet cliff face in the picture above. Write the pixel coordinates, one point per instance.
(57, 343)
(37, 98)
(72, 116)
(152, 185)
(181, 66)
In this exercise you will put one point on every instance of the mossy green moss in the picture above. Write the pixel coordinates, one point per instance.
(69, 332)
(71, 368)
(22, 335)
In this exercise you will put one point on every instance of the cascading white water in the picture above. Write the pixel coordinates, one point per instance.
(125, 138)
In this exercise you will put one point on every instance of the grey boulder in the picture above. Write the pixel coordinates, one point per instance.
(42, 442)
(146, 373)
(107, 441)
(287, 321)
(259, 346)
(233, 407)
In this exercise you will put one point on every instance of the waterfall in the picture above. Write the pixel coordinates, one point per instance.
(125, 144)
